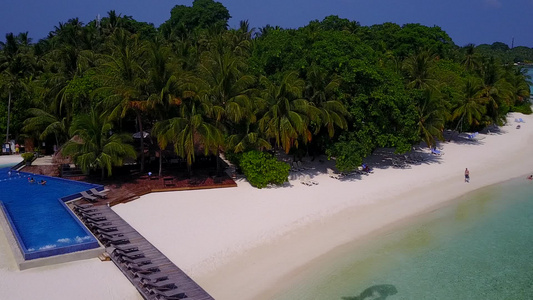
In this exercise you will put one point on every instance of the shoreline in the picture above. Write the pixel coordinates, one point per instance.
(292, 263)
(251, 240)
(292, 277)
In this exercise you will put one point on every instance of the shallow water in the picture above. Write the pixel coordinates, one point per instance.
(478, 247)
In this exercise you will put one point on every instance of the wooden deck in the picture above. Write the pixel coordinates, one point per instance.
(126, 187)
(161, 266)
(132, 189)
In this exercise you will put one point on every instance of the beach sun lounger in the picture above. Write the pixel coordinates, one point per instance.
(167, 283)
(308, 179)
(110, 235)
(118, 240)
(132, 255)
(169, 295)
(154, 277)
(88, 197)
(90, 213)
(99, 223)
(96, 218)
(123, 248)
(304, 181)
(106, 228)
(83, 206)
(79, 210)
(99, 194)
(437, 152)
(143, 268)
(332, 174)
(137, 272)
(138, 261)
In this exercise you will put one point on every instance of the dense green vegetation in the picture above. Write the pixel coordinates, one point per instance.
(261, 169)
(331, 87)
(505, 54)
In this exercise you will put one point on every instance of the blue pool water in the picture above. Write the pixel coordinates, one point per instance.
(41, 221)
(478, 247)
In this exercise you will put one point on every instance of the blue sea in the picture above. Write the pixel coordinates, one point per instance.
(478, 247)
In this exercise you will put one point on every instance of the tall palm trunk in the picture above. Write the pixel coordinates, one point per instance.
(460, 123)
(57, 141)
(8, 115)
(160, 162)
(218, 161)
(142, 139)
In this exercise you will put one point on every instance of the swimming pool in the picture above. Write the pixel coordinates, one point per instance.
(40, 220)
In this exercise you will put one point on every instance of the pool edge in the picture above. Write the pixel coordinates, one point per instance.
(23, 264)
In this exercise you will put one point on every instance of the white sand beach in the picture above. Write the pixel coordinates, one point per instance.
(249, 240)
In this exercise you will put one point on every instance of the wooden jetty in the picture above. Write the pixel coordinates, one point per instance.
(149, 270)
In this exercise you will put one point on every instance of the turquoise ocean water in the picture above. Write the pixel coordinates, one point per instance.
(477, 247)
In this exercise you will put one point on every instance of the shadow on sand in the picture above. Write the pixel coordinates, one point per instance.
(375, 292)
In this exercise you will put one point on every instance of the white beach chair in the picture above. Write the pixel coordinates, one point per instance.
(308, 179)
(332, 174)
(304, 181)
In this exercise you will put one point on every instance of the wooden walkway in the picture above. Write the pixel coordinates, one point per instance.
(149, 270)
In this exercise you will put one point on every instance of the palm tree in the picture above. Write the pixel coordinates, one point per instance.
(122, 75)
(419, 69)
(94, 146)
(321, 91)
(519, 84)
(47, 124)
(15, 65)
(190, 130)
(471, 107)
(432, 113)
(223, 83)
(497, 92)
(471, 58)
(288, 115)
(163, 88)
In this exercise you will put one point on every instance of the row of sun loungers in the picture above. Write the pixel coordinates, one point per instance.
(141, 264)
(358, 171)
(147, 273)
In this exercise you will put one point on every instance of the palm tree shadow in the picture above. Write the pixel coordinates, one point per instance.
(375, 292)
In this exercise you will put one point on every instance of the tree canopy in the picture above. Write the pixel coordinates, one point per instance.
(200, 88)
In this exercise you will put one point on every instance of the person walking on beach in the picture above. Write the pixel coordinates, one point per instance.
(467, 175)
